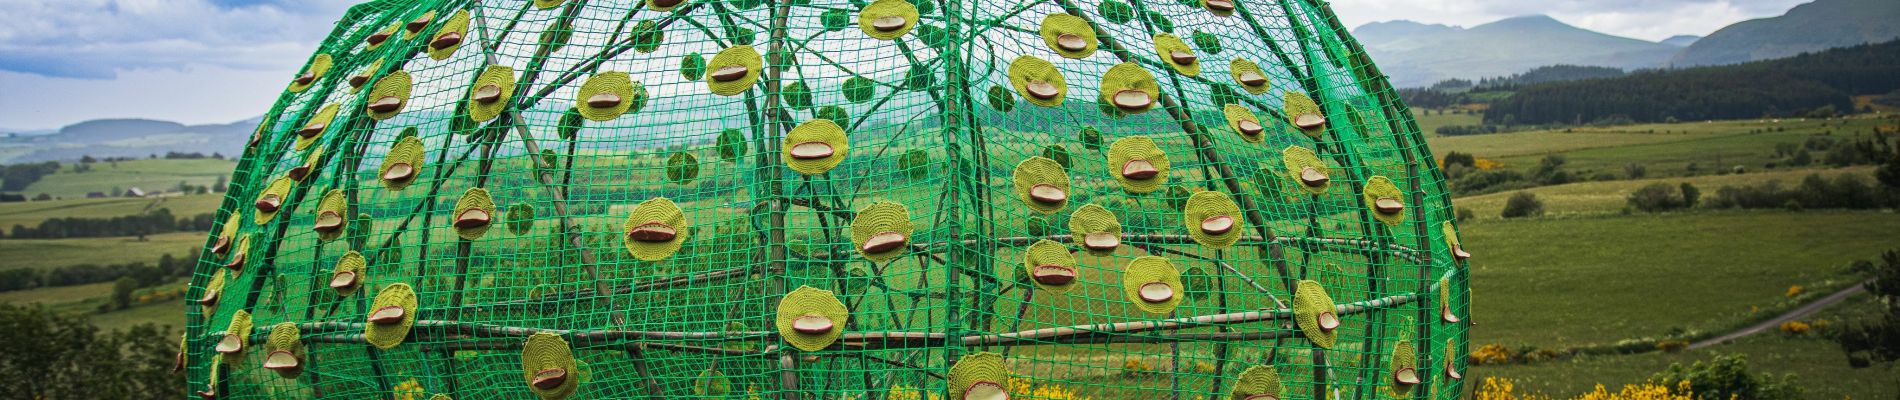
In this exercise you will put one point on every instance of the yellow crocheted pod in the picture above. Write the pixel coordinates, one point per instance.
(1305, 114)
(1257, 380)
(811, 319)
(402, 164)
(319, 65)
(213, 293)
(1070, 36)
(547, 4)
(814, 147)
(547, 360)
(1051, 266)
(1213, 220)
(607, 95)
(1385, 201)
(980, 375)
(1298, 161)
(1038, 81)
(490, 94)
(1311, 305)
(381, 37)
(388, 335)
(887, 19)
(415, 26)
(655, 229)
(1152, 284)
(392, 89)
(1138, 153)
(1129, 90)
(1403, 374)
(882, 231)
(1249, 75)
(1042, 185)
(313, 128)
(236, 340)
(272, 200)
(227, 234)
(1244, 123)
(284, 351)
(309, 167)
(348, 274)
(456, 25)
(333, 215)
(722, 71)
(1177, 54)
(1095, 229)
(475, 205)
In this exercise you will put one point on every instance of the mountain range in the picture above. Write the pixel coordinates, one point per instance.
(1416, 54)
(1811, 27)
(126, 138)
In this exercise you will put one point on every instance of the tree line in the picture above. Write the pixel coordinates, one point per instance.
(141, 273)
(1778, 88)
(154, 222)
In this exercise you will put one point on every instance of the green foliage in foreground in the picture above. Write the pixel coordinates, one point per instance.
(45, 355)
(1727, 377)
(1878, 340)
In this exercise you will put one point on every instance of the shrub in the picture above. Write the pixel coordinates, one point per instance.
(1726, 377)
(1889, 173)
(1466, 215)
(1796, 328)
(1523, 204)
(1636, 171)
(1672, 346)
(1456, 158)
(1656, 197)
(1878, 339)
(52, 355)
(1491, 354)
(1844, 191)
(1690, 195)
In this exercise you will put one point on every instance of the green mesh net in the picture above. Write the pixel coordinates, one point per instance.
(823, 199)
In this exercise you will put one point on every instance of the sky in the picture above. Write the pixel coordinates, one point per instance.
(219, 61)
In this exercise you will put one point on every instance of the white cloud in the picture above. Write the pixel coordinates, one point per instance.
(202, 61)
(97, 38)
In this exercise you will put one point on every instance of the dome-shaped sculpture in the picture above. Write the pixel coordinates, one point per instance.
(1107, 199)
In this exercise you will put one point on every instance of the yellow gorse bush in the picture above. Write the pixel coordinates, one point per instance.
(1490, 354)
(1504, 389)
(1795, 327)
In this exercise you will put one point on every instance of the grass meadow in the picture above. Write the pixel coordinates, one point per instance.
(1585, 274)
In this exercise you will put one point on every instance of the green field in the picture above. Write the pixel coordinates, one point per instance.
(1817, 362)
(32, 212)
(1610, 197)
(1645, 276)
(1665, 150)
(1430, 120)
(1583, 275)
(51, 253)
(153, 176)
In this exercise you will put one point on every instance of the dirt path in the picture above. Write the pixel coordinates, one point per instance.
(1795, 314)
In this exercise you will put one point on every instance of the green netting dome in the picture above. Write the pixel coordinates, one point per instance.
(824, 199)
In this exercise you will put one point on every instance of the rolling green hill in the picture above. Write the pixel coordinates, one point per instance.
(1811, 27)
(1778, 88)
(1417, 54)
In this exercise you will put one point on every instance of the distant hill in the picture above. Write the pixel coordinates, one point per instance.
(1416, 54)
(1784, 87)
(1816, 26)
(1681, 40)
(126, 138)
